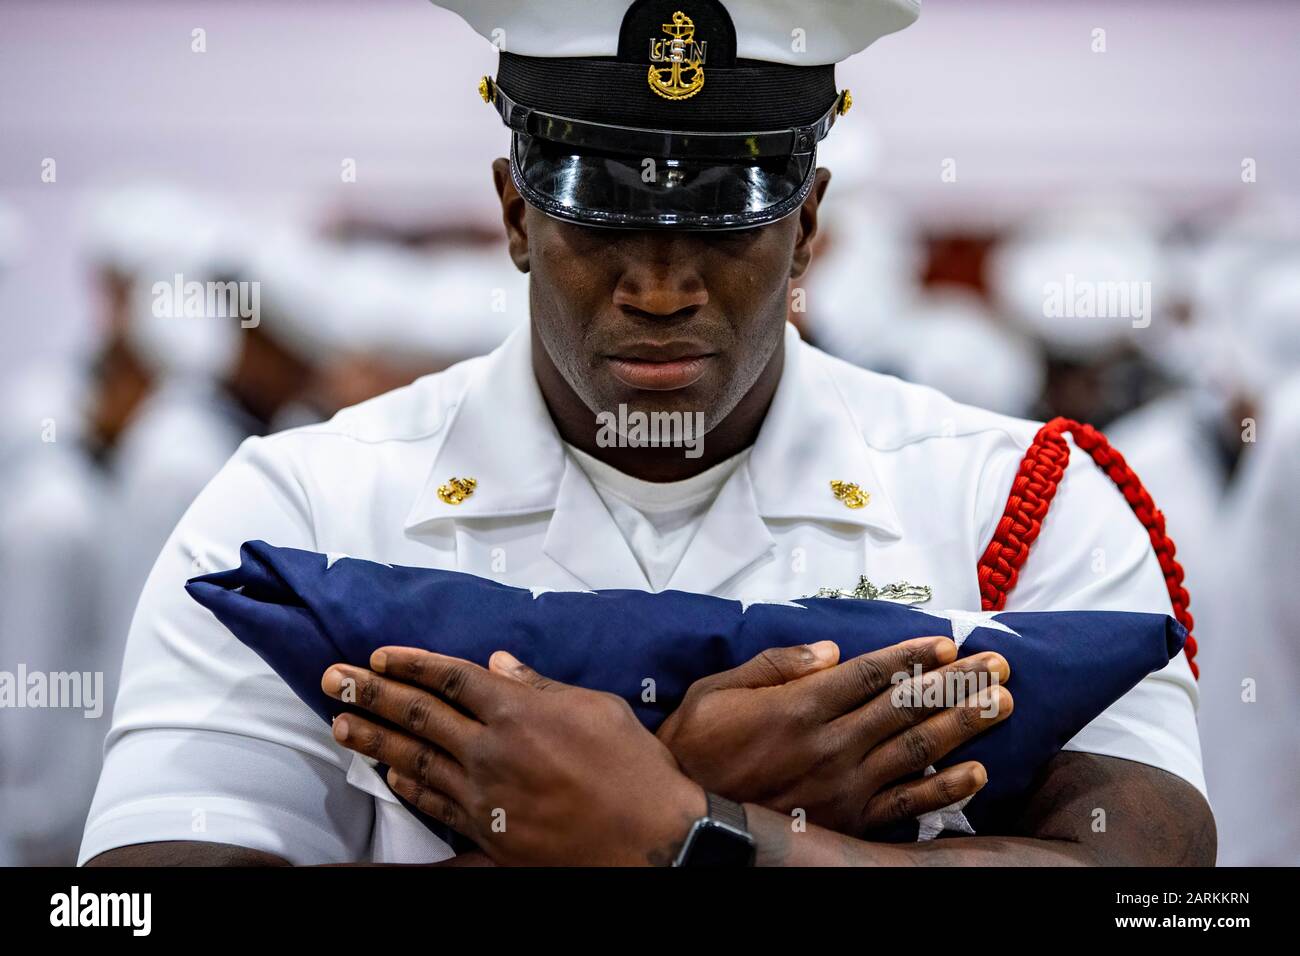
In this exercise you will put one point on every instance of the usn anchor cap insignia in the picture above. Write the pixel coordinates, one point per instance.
(457, 490)
(849, 493)
(681, 74)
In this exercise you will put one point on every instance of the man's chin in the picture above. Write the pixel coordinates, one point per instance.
(684, 401)
(679, 415)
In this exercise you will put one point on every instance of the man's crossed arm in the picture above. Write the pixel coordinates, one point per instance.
(538, 772)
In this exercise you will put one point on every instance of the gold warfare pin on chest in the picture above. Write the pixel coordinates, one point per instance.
(677, 60)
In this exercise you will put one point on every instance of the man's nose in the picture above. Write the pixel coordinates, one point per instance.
(660, 278)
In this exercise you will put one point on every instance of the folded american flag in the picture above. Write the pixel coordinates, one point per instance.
(302, 611)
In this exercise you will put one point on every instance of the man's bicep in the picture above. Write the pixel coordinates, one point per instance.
(185, 853)
(1122, 812)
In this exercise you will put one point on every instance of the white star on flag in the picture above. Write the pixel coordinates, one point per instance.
(963, 622)
(333, 557)
(538, 590)
(747, 603)
(948, 818)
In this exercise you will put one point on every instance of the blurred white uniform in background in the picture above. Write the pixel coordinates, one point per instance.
(864, 279)
(1041, 274)
(428, 310)
(1250, 658)
(185, 428)
(52, 557)
(955, 345)
(1236, 531)
(51, 506)
(1173, 445)
(1252, 748)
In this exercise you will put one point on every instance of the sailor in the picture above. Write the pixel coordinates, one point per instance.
(396, 315)
(662, 193)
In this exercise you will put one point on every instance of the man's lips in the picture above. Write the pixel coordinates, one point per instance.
(660, 372)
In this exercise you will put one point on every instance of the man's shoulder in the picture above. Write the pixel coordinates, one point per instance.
(894, 414)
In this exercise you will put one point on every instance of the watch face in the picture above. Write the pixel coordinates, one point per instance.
(715, 844)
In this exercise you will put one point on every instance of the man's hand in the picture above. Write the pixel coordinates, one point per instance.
(792, 729)
(533, 771)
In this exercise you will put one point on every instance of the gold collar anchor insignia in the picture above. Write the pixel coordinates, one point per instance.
(457, 490)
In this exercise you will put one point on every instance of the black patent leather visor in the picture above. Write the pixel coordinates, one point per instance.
(600, 188)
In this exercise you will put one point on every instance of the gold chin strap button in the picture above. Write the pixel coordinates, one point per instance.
(487, 89)
(850, 494)
(845, 104)
(457, 490)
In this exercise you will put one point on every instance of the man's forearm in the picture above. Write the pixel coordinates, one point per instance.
(1087, 810)
(200, 853)
(779, 845)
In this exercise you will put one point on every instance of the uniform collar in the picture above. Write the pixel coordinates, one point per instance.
(812, 436)
(500, 433)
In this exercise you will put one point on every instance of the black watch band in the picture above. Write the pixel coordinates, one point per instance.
(726, 811)
(721, 838)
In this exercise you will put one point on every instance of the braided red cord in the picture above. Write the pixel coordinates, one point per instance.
(1031, 495)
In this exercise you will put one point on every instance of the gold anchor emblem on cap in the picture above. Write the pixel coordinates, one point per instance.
(487, 89)
(683, 76)
(845, 102)
(457, 490)
(849, 493)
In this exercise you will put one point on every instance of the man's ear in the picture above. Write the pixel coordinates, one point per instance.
(514, 213)
(803, 242)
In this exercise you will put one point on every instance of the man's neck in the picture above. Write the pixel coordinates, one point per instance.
(577, 425)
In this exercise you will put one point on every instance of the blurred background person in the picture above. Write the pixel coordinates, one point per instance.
(398, 313)
(1248, 700)
(215, 375)
(956, 345)
(867, 265)
(1085, 280)
(53, 558)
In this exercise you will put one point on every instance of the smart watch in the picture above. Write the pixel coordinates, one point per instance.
(719, 838)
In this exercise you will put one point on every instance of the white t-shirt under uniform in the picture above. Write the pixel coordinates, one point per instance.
(658, 518)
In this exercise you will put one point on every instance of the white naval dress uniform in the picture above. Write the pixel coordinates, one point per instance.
(208, 744)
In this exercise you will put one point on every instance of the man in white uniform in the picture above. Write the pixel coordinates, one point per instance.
(680, 310)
